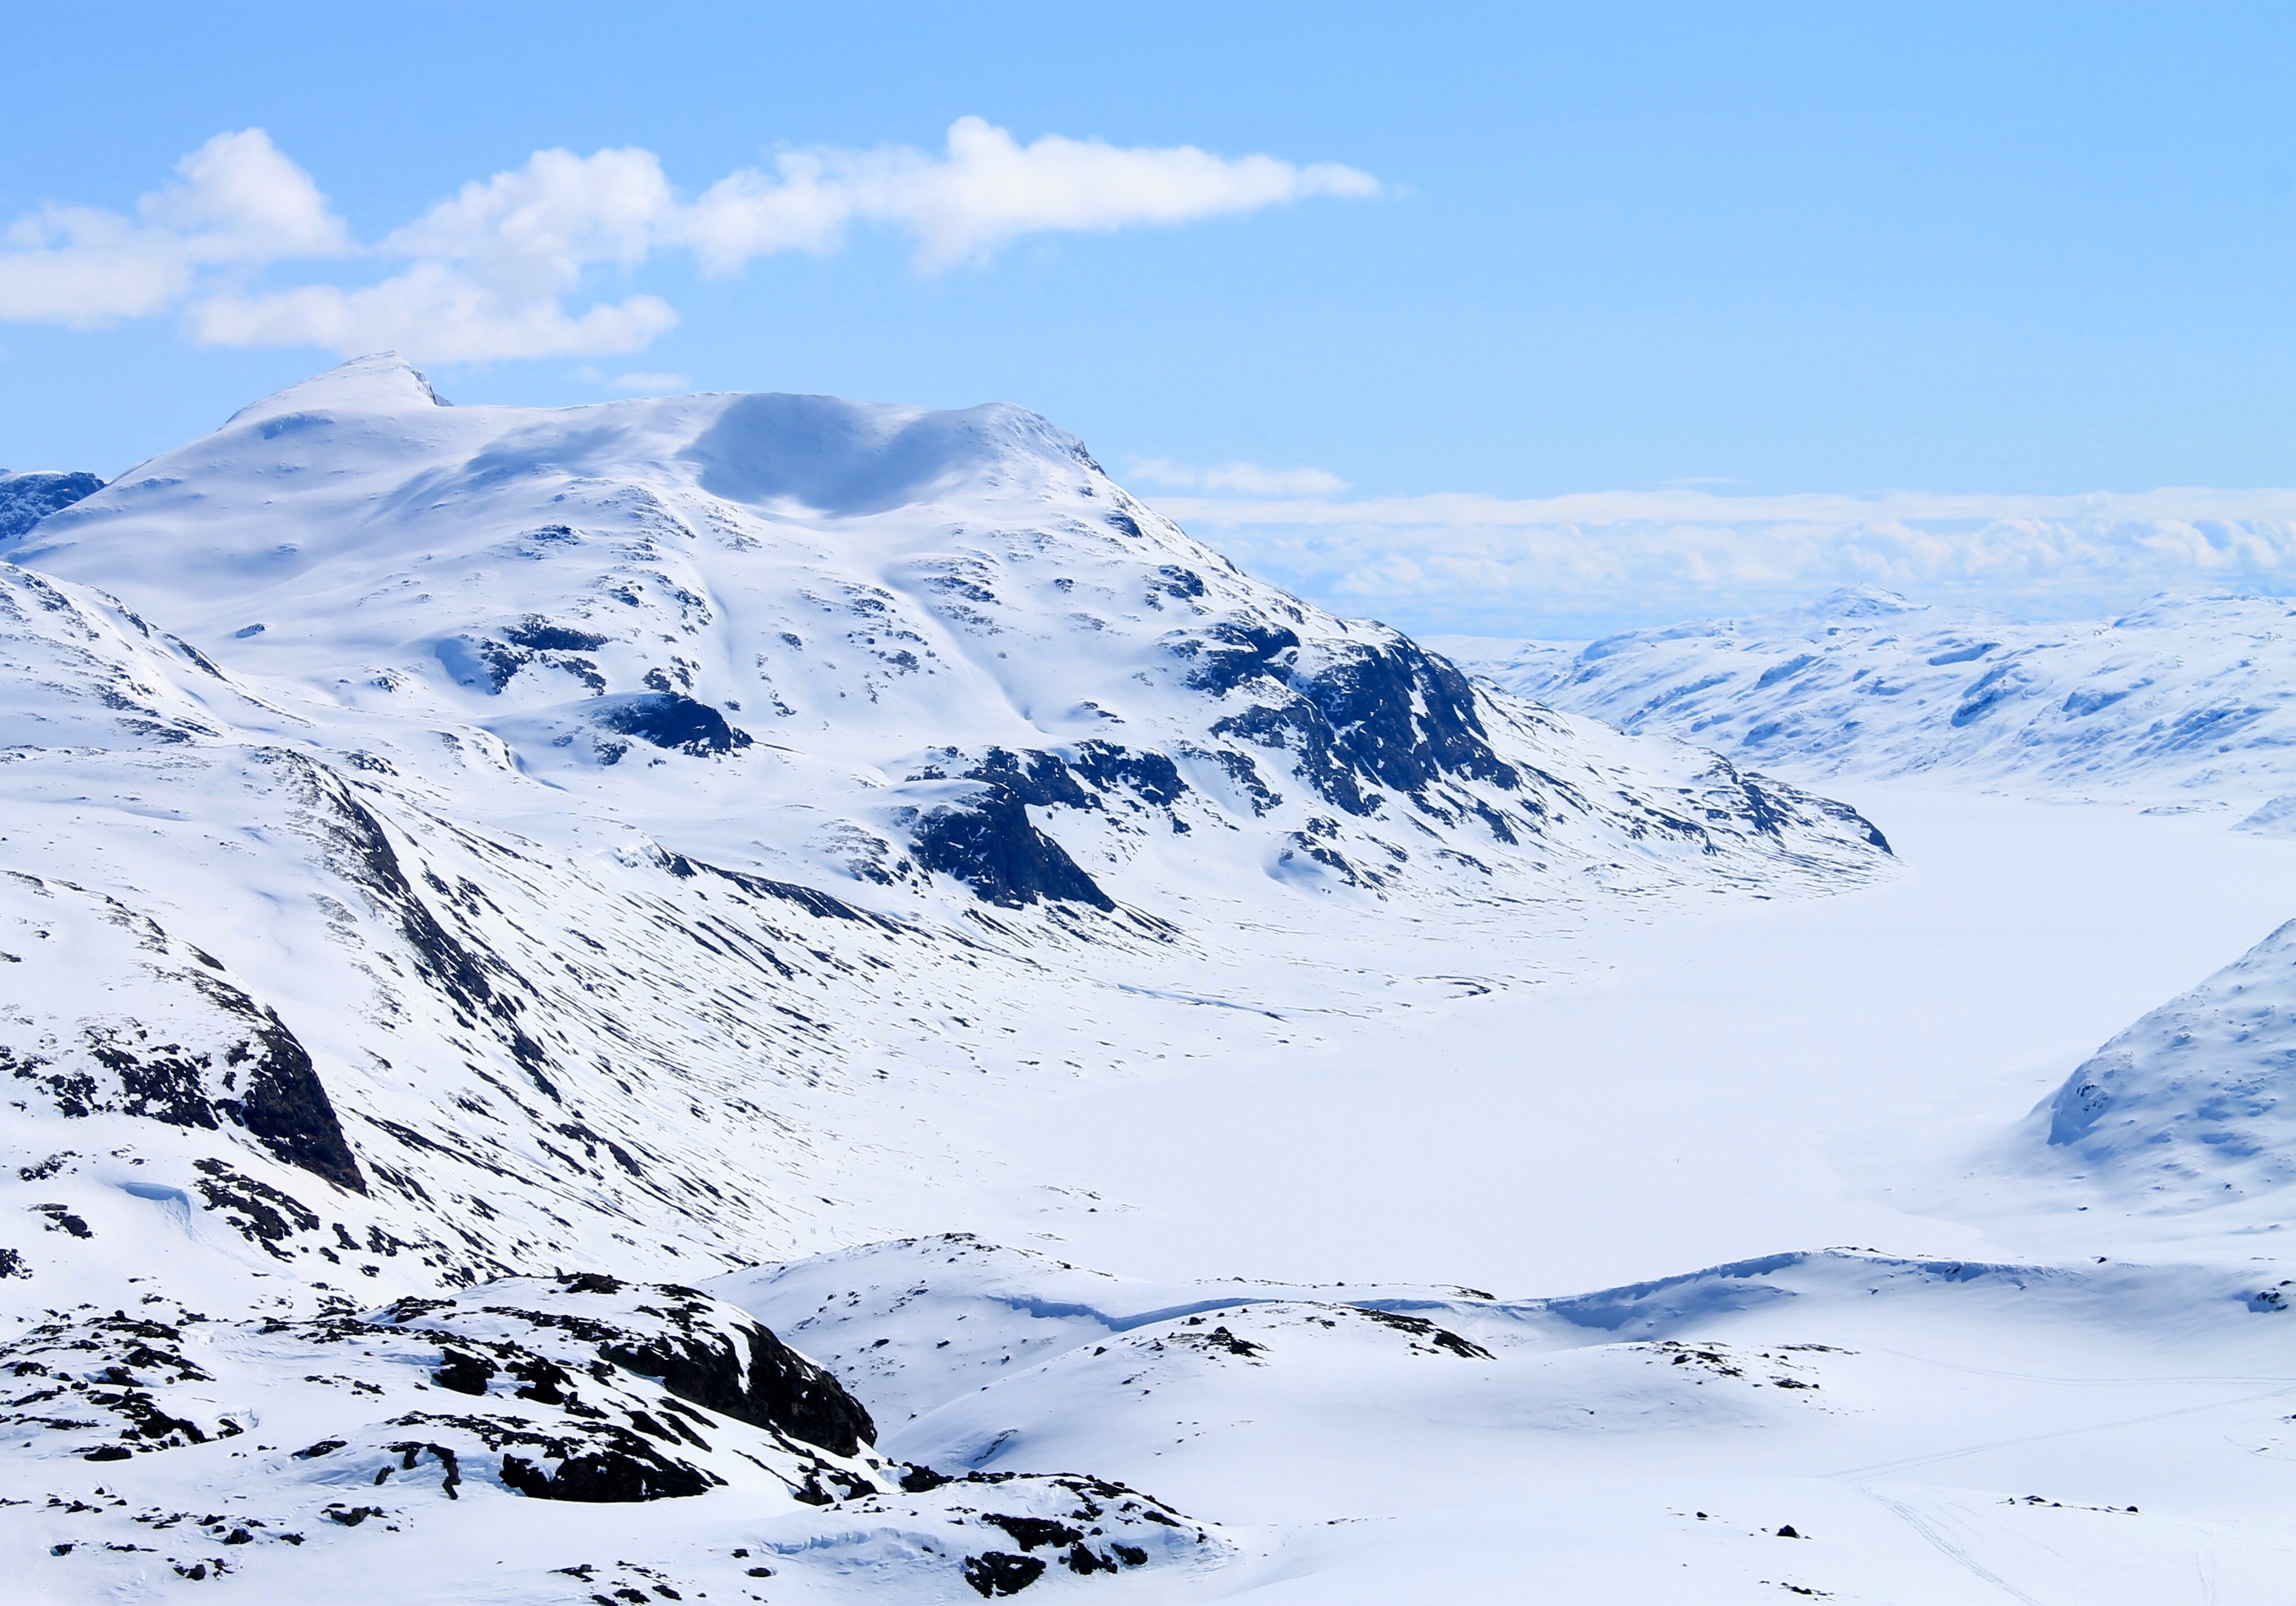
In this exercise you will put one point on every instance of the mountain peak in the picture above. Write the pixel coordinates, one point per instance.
(381, 382)
(1862, 602)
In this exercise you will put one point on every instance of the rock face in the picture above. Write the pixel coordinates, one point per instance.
(197, 1051)
(700, 1350)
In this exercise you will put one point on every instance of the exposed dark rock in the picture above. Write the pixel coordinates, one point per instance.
(989, 845)
(772, 1387)
(61, 1220)
(543, 635)
(462, 1372)
(1172, 581)
(262, 1214)
(1000, 1572)
(1295, 726)
(364, 855)
(1030, 1532)
(159, 1082)
(284, 1106)
(1233, 654)
(1419, 1327)
(280, 1100)
(1404, 716)
(1245, 775)
(1033, 777)
(677, 1336)
(632, 1470)
(1085, 1563)
(1349, 712)
(672, 721)
(1151, 774)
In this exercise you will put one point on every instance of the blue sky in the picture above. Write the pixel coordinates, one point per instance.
(1685, 261)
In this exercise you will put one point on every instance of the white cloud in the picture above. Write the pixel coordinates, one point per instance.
(987, 189)
(434, 311)
(1243, 478)
(489, 270)
(237, 202)
(636, 384)
(549, 220)
(1578, 565)
(241, 200)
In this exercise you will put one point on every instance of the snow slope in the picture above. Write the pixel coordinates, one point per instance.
(1859, 1425)
(2185, 698)
(2188, 1118)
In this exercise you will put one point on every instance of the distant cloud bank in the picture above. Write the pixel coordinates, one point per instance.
(1242, 478)
(488, 273)
(1576, 566)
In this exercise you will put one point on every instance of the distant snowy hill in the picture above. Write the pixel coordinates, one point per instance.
(442, 846)
(2183, 697)
(26, 499)
(2193, 1107)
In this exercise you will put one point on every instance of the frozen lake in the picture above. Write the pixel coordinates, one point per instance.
(1726, 1083)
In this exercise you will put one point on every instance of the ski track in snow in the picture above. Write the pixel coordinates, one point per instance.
(526, 932)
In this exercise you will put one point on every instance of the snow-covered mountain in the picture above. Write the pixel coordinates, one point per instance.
(513, 790)
(26, 499)
(2192, 1109)
(451, 849)
(2191, 696)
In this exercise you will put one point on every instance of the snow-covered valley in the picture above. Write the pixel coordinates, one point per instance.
(592, 914)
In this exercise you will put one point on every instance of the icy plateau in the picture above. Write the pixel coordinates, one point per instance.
(543, 955)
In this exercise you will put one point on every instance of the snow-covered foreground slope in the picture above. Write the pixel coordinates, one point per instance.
(445, 850)
(2188, 697)
(1846, 1423)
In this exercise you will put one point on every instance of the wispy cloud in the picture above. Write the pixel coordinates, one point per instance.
(650, 384)
(634, 384)
(986, 189)
(489, 272)
(1242, 478)
(1580, 564)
